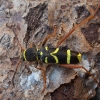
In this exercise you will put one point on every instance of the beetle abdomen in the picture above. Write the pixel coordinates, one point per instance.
(59, 56)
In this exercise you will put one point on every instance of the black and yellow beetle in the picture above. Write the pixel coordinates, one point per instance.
(61, 56)
(51, 55)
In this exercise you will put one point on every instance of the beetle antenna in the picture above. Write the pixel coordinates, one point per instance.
(14, 27)
(77, 26)
(16, 71)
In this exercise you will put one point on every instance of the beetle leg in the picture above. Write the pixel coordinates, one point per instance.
(77, 66)
(15, 72)
(50, 35)
(79, 25)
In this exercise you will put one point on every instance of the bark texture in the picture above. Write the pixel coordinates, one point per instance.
(32, 21)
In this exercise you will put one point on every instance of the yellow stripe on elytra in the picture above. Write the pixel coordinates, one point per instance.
(46, 59)
(68, 56)
(79, 56)
(24, 54)
(55, 57)
(41, 53)
(37, 57)
(46, 48)
(57, 49)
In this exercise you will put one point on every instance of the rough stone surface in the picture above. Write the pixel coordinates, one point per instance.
(33, 20)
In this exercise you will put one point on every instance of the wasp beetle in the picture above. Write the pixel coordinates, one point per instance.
(61, 56)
